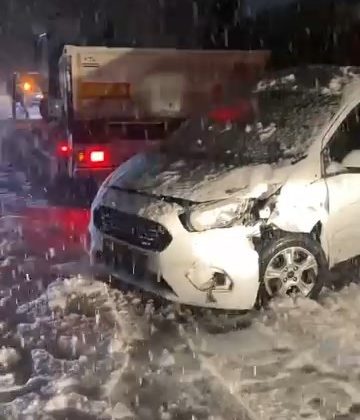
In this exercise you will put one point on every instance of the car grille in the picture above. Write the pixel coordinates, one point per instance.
(119, 257)
(132, 229)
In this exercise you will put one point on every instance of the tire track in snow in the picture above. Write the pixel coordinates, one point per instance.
(144, 333)
(164, 353)
(296, 360)
(245, 412)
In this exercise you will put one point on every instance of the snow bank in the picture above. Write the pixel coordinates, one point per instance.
(60, 292)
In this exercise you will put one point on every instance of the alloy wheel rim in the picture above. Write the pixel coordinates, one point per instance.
(291, 271)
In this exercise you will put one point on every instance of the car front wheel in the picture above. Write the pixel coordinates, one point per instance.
(290, 265)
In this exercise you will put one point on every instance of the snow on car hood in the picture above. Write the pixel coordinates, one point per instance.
(198, 182)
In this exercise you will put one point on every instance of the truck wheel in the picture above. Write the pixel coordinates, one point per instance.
(290, 265)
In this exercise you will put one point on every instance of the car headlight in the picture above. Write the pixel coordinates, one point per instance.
(214, 216)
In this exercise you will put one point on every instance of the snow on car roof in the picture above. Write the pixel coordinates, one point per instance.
(291, 108)
(323, 79)
(310, 97)
(283, 125)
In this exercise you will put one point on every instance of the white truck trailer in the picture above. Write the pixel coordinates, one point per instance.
(115, 102)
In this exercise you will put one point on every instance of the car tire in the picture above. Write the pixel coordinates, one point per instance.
(282, 242)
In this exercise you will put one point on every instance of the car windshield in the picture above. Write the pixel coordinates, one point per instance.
(282, 125)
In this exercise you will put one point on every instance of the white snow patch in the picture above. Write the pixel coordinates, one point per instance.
(59, 292)
(334, 168)
(121, 412)
(266, 84)
(9, 357)
(267, 132)
(166, 359)
(335, 85)
(7, 381)
(75, 401)
(65, 383)
(352, 159)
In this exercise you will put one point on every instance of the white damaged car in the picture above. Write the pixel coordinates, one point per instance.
(238, 207)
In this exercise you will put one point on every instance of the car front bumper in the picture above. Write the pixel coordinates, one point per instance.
(218, 268)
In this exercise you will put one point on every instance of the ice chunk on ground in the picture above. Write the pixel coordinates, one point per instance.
(9, 357)
(77, 402)
(166, 359)
(6, 381)
(65, 383)
(121, 412)
(59, 292)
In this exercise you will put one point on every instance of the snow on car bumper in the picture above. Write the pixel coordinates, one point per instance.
(217, 268)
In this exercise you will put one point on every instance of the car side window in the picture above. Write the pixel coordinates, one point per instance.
(343, 151)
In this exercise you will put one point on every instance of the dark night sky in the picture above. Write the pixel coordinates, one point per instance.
(257, 5)
(154, 25)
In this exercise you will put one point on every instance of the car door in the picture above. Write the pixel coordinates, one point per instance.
(342, 177)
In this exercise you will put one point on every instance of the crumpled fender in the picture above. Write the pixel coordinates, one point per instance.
(296, 219)
(299, 208)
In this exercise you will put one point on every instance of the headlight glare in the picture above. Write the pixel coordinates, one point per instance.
(216, 216)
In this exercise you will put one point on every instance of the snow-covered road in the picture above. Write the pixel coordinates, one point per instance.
(72, 346)
(76, 348)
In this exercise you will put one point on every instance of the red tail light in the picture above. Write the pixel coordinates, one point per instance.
(93, 157)
(97, 156)
(63, 149)
(241, 112)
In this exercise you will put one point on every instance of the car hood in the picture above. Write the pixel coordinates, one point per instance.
(197, 181)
